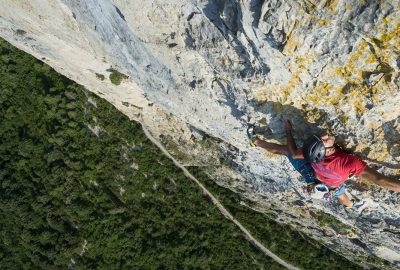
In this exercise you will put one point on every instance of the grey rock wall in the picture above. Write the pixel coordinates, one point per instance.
(199, 71)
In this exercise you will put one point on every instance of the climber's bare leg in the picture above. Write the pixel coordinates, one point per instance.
(345, 200)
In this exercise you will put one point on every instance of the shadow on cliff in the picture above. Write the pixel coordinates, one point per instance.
(303, 129)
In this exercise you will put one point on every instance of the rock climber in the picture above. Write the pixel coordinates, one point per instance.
(319, 160)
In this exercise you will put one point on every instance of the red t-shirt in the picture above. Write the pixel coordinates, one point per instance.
(336, 168)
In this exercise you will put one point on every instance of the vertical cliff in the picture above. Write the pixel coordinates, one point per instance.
(196, 72)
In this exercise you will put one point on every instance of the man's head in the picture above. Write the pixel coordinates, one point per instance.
(329, 142)
(315, 148)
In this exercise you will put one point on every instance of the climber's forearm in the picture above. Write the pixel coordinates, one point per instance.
(272, 147)
(291, 145)
(375, 177)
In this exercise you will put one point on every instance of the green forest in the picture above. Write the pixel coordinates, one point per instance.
(83, 188)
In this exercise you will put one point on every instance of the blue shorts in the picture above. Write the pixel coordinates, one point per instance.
(340, 190)
(305, 169)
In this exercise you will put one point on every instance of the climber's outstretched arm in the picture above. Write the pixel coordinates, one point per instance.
(272, 147)
(375, 177)
(289, 149)
(291, 145)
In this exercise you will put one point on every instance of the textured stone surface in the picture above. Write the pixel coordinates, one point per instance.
(200, 70)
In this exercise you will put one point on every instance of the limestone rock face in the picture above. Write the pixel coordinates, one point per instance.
(199, 71)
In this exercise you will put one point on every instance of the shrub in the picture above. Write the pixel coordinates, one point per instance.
(116, 77)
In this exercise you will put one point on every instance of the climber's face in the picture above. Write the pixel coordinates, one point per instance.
(329, 142)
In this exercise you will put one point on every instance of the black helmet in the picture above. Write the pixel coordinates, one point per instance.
(314, 149)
